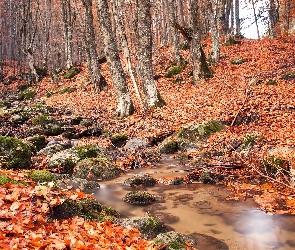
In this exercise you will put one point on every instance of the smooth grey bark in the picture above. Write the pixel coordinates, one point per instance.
(214, 32)
(195, 43)
(68, 31)
(273, 17)
(144, 67)
(125, 106)
(92, 57)
(173, 31)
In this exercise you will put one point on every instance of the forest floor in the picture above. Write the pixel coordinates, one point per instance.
(253, 97)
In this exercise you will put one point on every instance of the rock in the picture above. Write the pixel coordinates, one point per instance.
(254, 82)
(96, 169)
(38, 142)
(94, 131)
(51, 150)
(65, 181)
(87, 208)
(168, 147)
(135, 143)
(140, 179)
(139, 198)
(41, 176)
(173, 240)
(14, 154)
(149, 227)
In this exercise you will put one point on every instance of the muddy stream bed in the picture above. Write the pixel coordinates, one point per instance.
(203, 211)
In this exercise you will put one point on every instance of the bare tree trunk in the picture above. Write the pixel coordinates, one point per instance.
(195, 43)
(214, 33)
(255, 17)
(125, 105)
(273, 17)
(93, 64)
(180, 13)
(145, 69)
(67, 22)
(237, 18)
(124, 43)
(173, 31)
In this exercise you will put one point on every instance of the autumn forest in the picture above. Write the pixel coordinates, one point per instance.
(122, 120)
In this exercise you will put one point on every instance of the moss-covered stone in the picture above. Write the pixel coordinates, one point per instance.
(4, 179)
(49, 125)
(71, 73)
(168, 147)
(248, 141)
(87, 208)
(238, 61)
(139, 197)
(271, 82)
(109, 214)
(41, 176)
(288, 75)
(173, 240)
(42, 120)
(201, 131)
(51, 150)
(273, 165)
(119, 139)
(67, 90)
(28, 94)
(140, 179)
(87, 151)
(14, 154)
(97, 169)
(172, 71)
(38, 142)
(149, 226)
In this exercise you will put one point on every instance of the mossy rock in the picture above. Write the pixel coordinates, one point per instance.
(172, 71)
(273, 165)
(109, 214)
(4, 179)
(140, 179)
(231, 41)
(201, 131)
(87, 208)
(271, 82)
(38, 142)
(238, 61)
(14, 154)
(149, 226)
(20, 118)
(71, 73)
(49, 124)
(173, 240)
(41, 176)
(28, 94)
(288, 75)
(248, 142)
(119, 139)
(67, 90)
(139, 198)
(64, 161)
(43, 120)
(168, 147)
(51, 150)
(97, 169)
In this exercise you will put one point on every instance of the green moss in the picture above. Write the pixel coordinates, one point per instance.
(177, 80)
(288, 75)
(273, 164)
(238, 61)
(169, 147)
(108, 214)
(41, 176)
(38, 142)
(43, 120)
(87, 208)
(88, 151)
(71, 73)
(140, 179)
(41, 72)
(67, 90)
(175, 241)
(14, 154)
(119, 138)
(28, 94)
(209, 128)
(248, 141)
(172, 71)
(49, 93)
(271, 82)
(139, 197)
(4, 179)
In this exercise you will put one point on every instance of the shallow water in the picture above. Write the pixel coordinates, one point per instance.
(203, 211)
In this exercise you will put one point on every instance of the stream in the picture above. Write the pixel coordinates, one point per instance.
(203, 211)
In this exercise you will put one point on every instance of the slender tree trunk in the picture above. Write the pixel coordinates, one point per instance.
(173, 31)
(273, 17)
(214, 32)
(125, 105)
(237, 18)
(255, 17)
(67, 22)
(145, 69)
(195, 42)
(93, 64)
